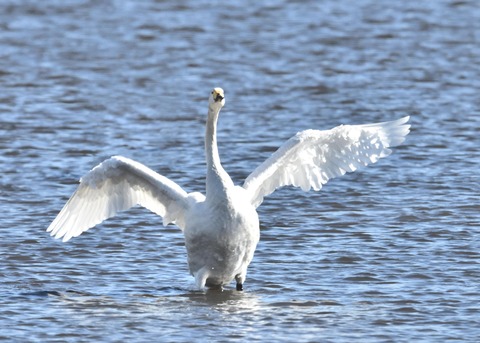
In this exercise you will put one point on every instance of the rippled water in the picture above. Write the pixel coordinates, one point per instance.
(390, 253)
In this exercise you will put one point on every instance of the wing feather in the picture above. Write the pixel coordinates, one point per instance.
(115, 185)
(311, 158)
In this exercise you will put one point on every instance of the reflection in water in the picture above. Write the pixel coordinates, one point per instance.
(226, 300)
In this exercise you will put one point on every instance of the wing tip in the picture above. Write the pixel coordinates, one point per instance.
(397, 131)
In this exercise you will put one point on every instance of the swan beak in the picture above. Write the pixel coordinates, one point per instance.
(218, 94)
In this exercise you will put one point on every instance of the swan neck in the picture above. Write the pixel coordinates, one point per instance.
(217, 178)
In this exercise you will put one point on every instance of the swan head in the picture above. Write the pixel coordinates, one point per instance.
(217, 98)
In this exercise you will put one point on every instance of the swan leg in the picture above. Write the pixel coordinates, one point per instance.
(240, 279)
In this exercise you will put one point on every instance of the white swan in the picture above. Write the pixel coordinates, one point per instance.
(221, 229)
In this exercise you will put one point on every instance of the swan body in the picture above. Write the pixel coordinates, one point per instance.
(221, 228)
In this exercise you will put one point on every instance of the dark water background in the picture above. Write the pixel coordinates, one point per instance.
(390, 253)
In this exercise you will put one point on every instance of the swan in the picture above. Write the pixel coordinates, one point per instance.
(221, 228)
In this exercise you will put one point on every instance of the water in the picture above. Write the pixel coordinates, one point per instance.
(390, 253)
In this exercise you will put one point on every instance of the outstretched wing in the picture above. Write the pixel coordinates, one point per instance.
(115, 185)
(311, 158)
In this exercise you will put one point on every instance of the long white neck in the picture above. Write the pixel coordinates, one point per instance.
(218, 181)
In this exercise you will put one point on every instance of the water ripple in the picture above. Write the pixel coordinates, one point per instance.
(386, 254)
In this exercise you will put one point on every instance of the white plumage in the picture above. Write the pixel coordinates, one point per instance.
(221, 229)
(311, 158)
